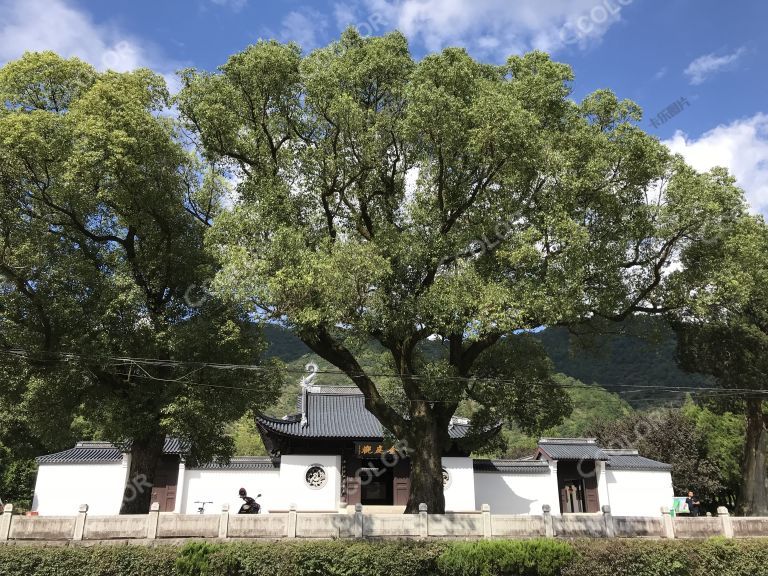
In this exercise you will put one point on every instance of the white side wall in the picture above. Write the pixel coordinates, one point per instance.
(603, 494)
(460, 491)
(61, 488)
(639, 493)
(221, 487)
(294, 489)
(516, 494)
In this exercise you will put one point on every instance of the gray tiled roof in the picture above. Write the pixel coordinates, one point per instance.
(243, 463)
(572, 449)
(100, 453)
(337, 412)
(511, 466)
(84, 453)
(631, 460)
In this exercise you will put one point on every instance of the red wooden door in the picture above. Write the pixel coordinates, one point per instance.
(166, 480)
(402, 483)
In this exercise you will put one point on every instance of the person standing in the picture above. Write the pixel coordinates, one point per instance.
(694, 504)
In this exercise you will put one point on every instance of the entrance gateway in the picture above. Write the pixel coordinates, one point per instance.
(375, 470)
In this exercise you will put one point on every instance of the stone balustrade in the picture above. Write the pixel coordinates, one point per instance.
(157, 526)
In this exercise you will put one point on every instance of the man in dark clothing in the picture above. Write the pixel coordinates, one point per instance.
(694, 505)
(250, 506)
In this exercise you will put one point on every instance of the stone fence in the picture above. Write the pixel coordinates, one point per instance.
(156, 526)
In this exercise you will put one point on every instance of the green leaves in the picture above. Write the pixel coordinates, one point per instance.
(389, 199)
(102, 221)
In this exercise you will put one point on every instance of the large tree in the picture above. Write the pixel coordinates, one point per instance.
(102, 220)
(724, 332)
(445, 199)
(667, 435)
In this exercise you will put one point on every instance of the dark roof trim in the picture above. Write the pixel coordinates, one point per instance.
(571, 449)
(336, 412)
(511, 466)
(242, 463)
(101, 453)
(635, 462)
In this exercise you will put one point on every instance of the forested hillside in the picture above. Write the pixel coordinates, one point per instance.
(636, 361)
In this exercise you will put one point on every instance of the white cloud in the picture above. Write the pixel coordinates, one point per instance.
(709, 64)
(305, 27)
(235, 5)
(37, 25)
(492, 28)
(741, 146)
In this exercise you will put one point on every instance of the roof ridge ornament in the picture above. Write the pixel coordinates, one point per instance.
(306, 382)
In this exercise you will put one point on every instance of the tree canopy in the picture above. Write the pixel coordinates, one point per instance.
(102, 221)
(723, 332)
(443, 200)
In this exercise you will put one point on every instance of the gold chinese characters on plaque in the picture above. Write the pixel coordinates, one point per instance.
(372, 449)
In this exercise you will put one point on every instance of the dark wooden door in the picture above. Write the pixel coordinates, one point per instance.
(353, 481)
(577, 482)
(402, 481)
(166, 481)
(590, 489)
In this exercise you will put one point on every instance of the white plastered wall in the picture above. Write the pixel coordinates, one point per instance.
(639, 493)
(220, 486)
(516, 493)
(603, 495)
(61, 488)
(293, 488)
(460, 491)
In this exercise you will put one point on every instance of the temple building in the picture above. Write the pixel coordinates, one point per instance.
(333, 454)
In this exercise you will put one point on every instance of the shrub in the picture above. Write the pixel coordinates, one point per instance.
(193, 558)
(331, 558)
(505, 557)
(731, 557)
(87, 561)
(716, 557)
(631, 558)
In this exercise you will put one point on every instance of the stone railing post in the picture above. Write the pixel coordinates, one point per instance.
(292, 521)
(722, 512)
(82, 515)
(358, 521)
(423, 521)
(549, 527)
(668, 523)
(5, 522)
(224, 521)
(153, 518)
(486, 512)
(609, 528)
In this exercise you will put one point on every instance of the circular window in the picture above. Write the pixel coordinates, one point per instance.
(316, 476)
(446, 478)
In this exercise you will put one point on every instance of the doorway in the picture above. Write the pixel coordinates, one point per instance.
(577, 484)
(376, 485)
(572, 497)
(166, 480)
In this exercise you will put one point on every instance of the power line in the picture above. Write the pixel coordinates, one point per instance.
(157, 362)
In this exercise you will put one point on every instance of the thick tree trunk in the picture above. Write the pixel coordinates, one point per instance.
(426, 473)
(753, 500)
(145, 456)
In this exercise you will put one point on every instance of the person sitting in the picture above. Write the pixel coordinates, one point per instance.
(250, 506)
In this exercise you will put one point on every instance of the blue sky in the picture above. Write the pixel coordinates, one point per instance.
(703, 58)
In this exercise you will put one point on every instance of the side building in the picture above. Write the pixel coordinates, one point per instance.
(333, 454)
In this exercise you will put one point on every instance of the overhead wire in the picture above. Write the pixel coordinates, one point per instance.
(198, 366)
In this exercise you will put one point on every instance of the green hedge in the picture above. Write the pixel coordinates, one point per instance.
(331, 558)
(88, 561)
(489, 558)
(716, 557)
